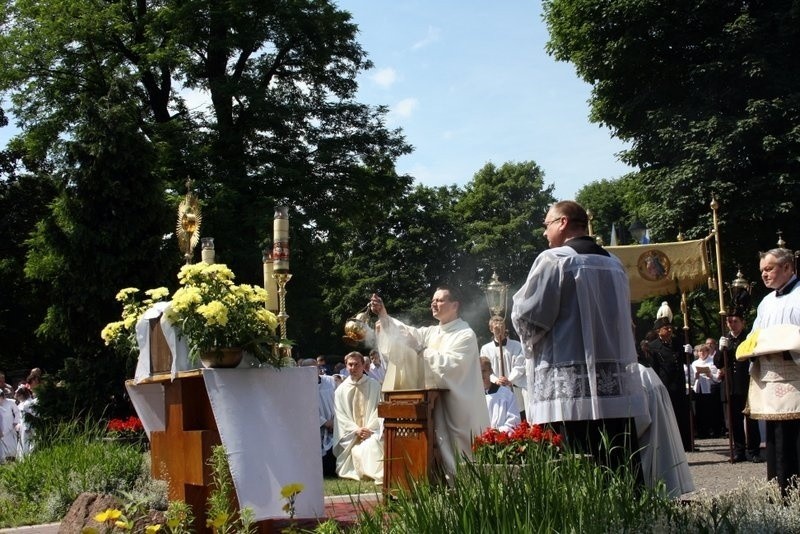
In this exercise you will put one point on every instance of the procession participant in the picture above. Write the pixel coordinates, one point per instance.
(512, 367)
(717, 389)
(706, 399)
(774, 393)
(376, 368)
(668, 363)
(9, 420)
(573, 318)
(326, 385)
(5, 387)
(357, 430)
(502, 405)
(448, 356)
(744, 430)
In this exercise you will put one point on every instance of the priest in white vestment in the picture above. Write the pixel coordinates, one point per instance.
(357, 430)
(9, 419)
(446, 357)
(774, 394)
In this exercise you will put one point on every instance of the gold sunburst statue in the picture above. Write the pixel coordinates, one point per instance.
(188, 226)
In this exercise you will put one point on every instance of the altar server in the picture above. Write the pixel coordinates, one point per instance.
(774, 394)
(573, 318)
(501, 402)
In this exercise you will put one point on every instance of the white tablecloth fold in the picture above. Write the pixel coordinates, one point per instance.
(268, 420)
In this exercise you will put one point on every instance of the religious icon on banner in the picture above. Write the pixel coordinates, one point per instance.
(653, 265)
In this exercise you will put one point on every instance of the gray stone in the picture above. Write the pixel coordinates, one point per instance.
(81, 513)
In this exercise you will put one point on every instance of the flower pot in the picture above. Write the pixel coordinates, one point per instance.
(222, 358)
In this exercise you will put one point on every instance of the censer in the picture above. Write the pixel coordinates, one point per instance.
(358, 329)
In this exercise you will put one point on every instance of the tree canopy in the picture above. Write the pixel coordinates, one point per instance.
(708, 95)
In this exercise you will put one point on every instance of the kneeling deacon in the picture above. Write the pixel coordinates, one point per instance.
(358, 432)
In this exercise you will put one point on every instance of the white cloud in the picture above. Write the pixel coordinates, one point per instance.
(405, 107)
(385, 77)
(433, 35)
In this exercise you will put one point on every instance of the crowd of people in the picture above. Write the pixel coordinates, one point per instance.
(17, 408)
(708, 385)
(576, 369)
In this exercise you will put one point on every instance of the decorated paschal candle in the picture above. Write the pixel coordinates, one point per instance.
(280, 241)
(269, 282)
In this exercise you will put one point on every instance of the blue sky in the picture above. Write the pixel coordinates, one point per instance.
(469, 82)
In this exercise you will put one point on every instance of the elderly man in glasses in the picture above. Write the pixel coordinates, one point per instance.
(573, 319)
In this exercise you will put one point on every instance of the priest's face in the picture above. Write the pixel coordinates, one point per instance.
(443, 309)
(774, 274)
(355, 365)
(555, 226)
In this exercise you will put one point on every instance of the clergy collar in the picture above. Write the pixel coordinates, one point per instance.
(497, 344)
(452, 325)
(787, 288)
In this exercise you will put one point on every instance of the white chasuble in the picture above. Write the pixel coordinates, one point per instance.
(447, 360)
(357, 407)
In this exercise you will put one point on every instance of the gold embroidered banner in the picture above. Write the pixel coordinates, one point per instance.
(663, 268)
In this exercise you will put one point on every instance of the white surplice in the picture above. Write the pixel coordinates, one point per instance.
(661, 450)
(513, 364)
(503, 410)
(9, 420)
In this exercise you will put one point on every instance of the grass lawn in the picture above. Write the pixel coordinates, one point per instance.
(346, 486)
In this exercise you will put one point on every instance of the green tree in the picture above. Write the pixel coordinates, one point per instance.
(708, 95)
(401, 251)
(281, 126)
(613, 201)
(502, 210)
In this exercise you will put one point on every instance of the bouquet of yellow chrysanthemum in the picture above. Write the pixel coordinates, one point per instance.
(122, 334)
(214, 313)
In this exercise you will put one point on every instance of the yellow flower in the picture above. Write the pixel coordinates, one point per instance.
(123, 294)
(157, 293)
(268, 318)
(214, 312)
(129, 322)
(290, 490)
(152, 529)
(218, 521)
(111, 332)
(124, 524)
(111, 514)
(185, 297)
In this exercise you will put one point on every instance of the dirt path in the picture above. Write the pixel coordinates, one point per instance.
(712, 471)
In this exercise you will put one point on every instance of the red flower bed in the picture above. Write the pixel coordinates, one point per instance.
(496, 447)
(131, 425)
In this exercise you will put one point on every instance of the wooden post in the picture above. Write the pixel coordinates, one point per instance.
(180, 453)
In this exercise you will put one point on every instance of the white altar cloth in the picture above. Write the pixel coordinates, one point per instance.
(268, 420)
(177, 345)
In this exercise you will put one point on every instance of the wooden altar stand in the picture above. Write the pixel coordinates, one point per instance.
(408, 437)
(181, 447)
(179, 454)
